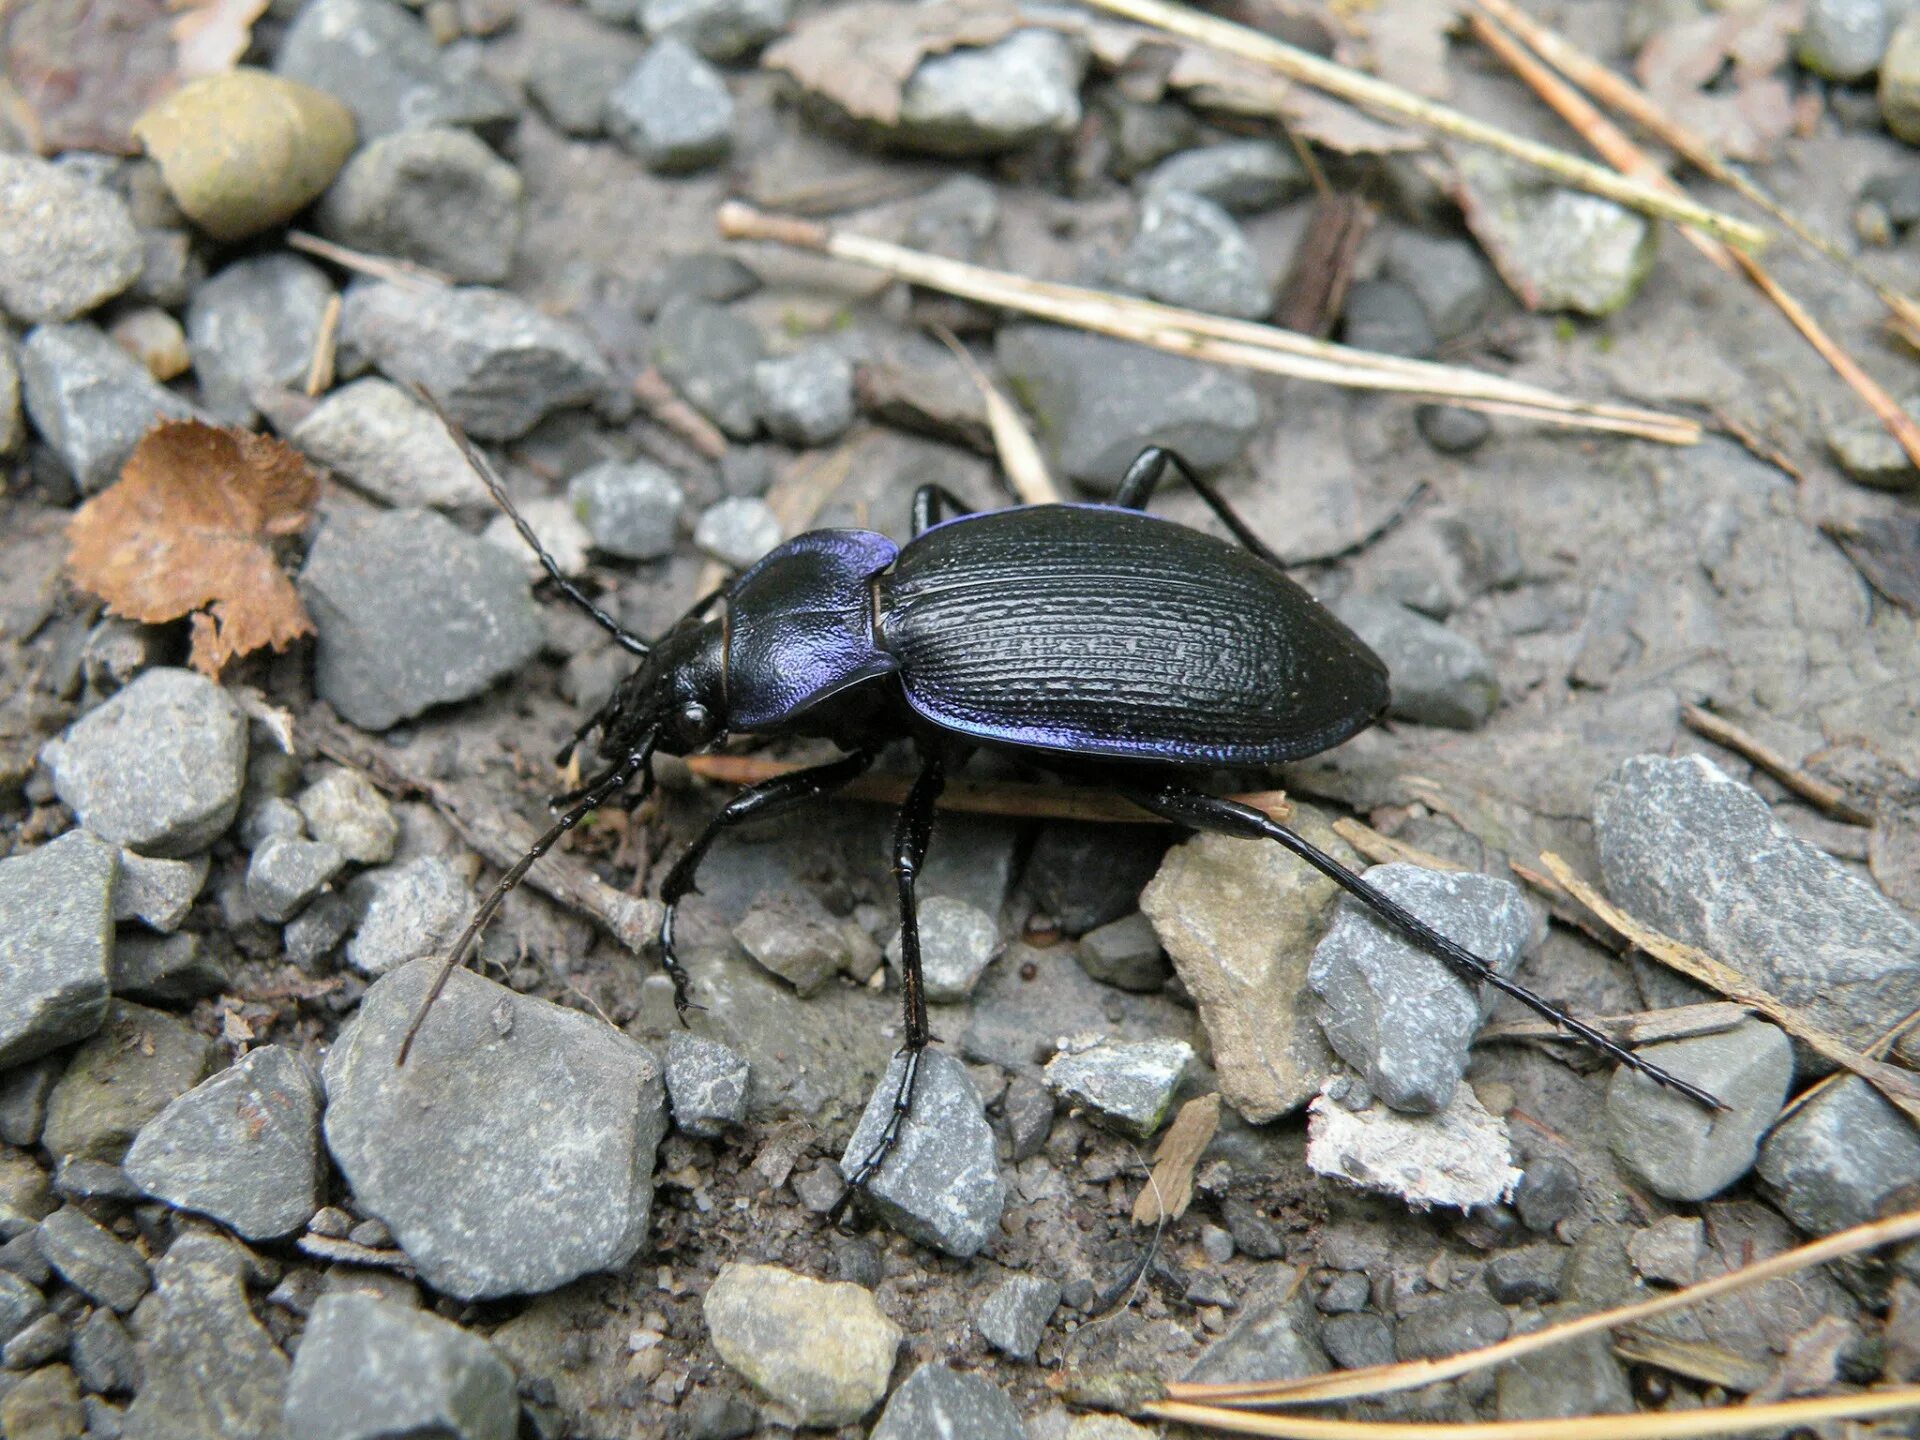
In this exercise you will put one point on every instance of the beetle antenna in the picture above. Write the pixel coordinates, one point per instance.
(490, 477)
(596, 795)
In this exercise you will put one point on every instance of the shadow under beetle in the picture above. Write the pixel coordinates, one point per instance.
(1094, 640)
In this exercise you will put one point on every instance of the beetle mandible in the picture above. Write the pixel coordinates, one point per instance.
(1094, 640)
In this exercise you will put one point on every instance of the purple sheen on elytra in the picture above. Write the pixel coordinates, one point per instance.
(800, 625)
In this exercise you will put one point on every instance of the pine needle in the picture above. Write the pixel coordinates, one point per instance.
(1722, 731)
(1242, 343)
(1020, 457)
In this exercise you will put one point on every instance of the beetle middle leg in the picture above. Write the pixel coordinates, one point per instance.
(1150, 467)
(757, 802)
(909, 853)
(1198, 810)
(932, 503)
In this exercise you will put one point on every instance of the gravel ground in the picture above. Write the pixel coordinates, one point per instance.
(225, 1212)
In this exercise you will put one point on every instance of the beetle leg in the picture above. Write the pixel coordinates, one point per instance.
(756, 802)
(928, 503)
(1200, 811)
(909, 853)
(1149, 468)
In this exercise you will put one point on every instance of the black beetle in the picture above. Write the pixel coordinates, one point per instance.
(1094, 640)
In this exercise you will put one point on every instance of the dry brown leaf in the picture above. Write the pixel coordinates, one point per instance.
(1170, 1189)
(210, 36)
(188, 529)
(860, 56)
(1720, 76)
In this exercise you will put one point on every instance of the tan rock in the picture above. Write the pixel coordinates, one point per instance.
(821, 1349)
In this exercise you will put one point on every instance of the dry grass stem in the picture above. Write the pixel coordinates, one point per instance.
(1897, 1085)
(1242, 343)
(1411, 1375)
(1623, 96)
(1377, 95)
(379, 267)
(325, 346)
(1828, 797)
(977, 797)
(1385, 850)
(1020, 458)
(1620, 152)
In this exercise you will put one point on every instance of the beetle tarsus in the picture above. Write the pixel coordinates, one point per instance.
(897, 1118)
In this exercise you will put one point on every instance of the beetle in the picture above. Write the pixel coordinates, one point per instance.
(1098, 641)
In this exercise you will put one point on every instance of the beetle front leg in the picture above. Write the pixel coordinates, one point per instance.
(910, 842)
(756, 802)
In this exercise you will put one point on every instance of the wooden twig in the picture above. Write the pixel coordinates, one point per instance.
(1321, 271)
(1620, 152)
(1382, 98)
(325, 345)
(1623, 96)
(1200, 336)
(1643, 1027)
(379, 267)
(663, 403)
(1385, 850)
(1897, 1085)
(1013, 798)
(1811, 788)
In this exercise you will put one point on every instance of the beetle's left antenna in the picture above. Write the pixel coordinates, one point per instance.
(490, 477)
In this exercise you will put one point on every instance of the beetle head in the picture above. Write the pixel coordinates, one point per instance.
(678, 694)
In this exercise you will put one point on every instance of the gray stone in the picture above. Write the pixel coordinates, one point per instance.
(706, 1084)
(346, 810)
(631, 509)
(103, 1355)
(1449, 277)
(1126, 1084)
(383, 442)
(120, 1079)
(88, 1257)
(822, 1350)
(1558, 249)
(1254, 1235)
(382, 63)
(242, 1147)
(1240, 919)
(1843, 39)
(718, 29)
(438, 196)
(407, 911)
(1673, 1145)
(1461, 1157)
(1899, 91)
(1348, 1290)
(1386, 317)
(369, 1369)
(44, 1405)
(1577, 1378)
(157, 893)
(12, 429)
(792, 935)
(674, 111)
(1240, 176)
(1699, 856)
(1099, 402)
(252, 329)
(1548, 1193)
(1028, 1109)
(1394, 1012)
(90, 400)
(56, 942)
(170, 267)
(312, 934)
(738, 530)
(570, 79)
(937, 1400)
(285, 873)
(985, 100)
(1869, 455)
(1014, 1317)
(23, 1094)
(1436, 676)
(1832, 1161)
(20, 1305)
(554, 525)
(1188, 251)
(957, 943)
(1527, 1275)
(1357, 1341)
(166, 970)
(76, 1177)
(940, 1183)
(515, 1149)
(412, 613)
(1274, 1338)
(709, 354)
(1083, 874)
(270, 818)
(208, 1367)
(1449, 1326)
(1126, 953)
(25, 1198)
(41, 1341)
(1453, 429)
(158, 767)
(67, 245)
(805, 398)
(1668, 1251)
(955, 218)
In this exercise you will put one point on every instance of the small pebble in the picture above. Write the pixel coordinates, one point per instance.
(285, 873)
(126, 1074)
(1357, 1341)
(1832, 1161)
(42, 1341)
(1557, 248)
(1275, 1337)
(437, 196)
(1128, 1084)
(90, 400)
(1348, 1290)
(710, 354)
(1439, 677)
(631, 509)
(1029, 1114)
(1386, 317)
(407, 911)
(103, 1356)
(555, 526)
(90, 1259)
(807, 398)
(822, 1350)
(1843, 40)
(67, 247)
(937, 1400)
(957, 943)
(167, 970)
(737, 531)
(154, 338)
(1126, 953)
(1530, 1275)
(1668, 1251)
(158, 893)
(673, 111)
(56, 937)
(992, 98)
(1548, 1193)
(1453, 429)
(382, 441)
(1014, 1317)
(720, 30)
(1449, 277)
(1240, 176)
(706, 1085)
(1188, 251)
(344, 809)
(380, 60)
(253, 327)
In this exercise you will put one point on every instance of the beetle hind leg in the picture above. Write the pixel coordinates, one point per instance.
(910, 842)
(1187, 806)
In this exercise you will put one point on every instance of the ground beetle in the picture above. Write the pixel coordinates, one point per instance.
(1094, 640)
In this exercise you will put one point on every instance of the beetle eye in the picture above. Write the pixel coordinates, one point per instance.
(696, 721)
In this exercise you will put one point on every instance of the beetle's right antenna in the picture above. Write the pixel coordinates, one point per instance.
(490, 477)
